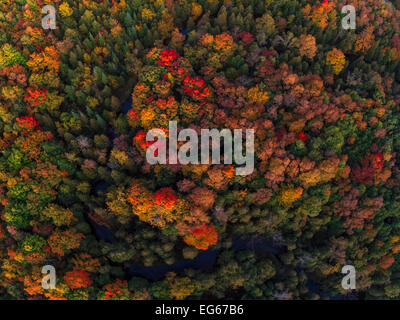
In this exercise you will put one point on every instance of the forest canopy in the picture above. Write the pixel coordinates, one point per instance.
(76, 190)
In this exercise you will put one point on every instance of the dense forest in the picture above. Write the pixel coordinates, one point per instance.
(77, 193)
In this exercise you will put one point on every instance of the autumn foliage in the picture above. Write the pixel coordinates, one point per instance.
(76, 189)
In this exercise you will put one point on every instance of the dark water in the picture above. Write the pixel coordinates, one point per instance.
(204, 261)
(127, 105)
(314, 287)
(102, 232)
(102, 186)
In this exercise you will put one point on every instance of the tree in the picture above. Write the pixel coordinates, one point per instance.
(180, 287)
(336, 59)
(307, 45)
(77, 279)
(202, 237)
